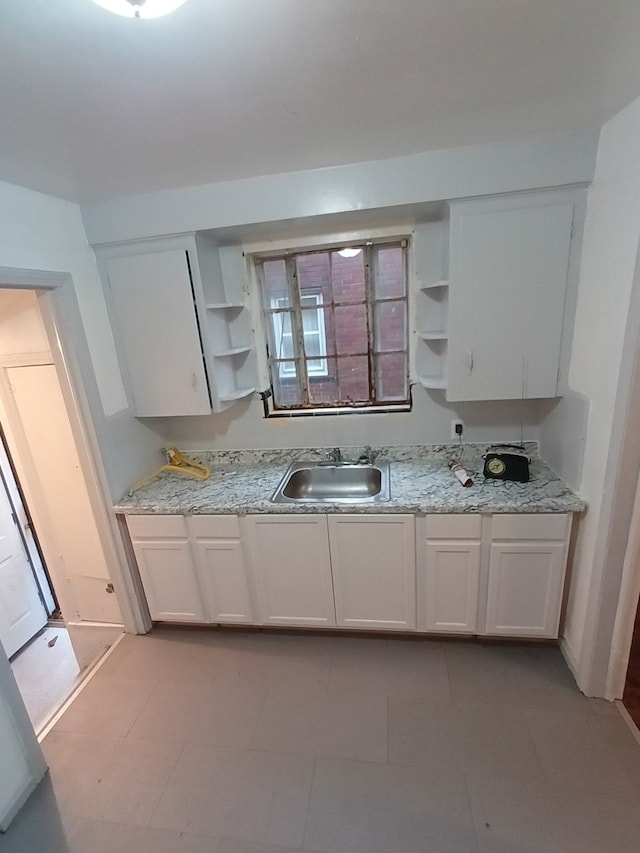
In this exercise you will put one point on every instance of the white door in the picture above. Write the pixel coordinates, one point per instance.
(525, 588)
(58, 495)
(22, 613)
(223, 578)
(169, 580)
(153, 300)
(290, 557)
(452, 575)
(374, 571)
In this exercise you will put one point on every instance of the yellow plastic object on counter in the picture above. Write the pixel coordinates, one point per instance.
(176, 463)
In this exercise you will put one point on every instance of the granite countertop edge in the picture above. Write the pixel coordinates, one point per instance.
(242, 482)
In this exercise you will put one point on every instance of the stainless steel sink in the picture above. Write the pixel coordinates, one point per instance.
(319, 482)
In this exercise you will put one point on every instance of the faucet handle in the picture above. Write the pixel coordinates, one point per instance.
(367, 457)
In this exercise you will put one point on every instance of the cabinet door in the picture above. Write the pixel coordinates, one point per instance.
(508, 278)
(154, 305)
(169, 580)
(292, 569)
(374, 571)
(223, 578)
(449, 584)
(525, 588)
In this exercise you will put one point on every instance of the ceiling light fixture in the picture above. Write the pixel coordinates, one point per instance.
(140, 8)
(349, 253)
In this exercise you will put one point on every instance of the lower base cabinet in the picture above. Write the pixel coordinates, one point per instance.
(449, 574)
(527, 563)
(167, 571)
(374, 578)
(292, 569)
(500, 575)
(192, 570)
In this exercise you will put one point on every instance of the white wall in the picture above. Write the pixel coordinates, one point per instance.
(45, 233)
(612, 231)
(243, 426)
(416, 179)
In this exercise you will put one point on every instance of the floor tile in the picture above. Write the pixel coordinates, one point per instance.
(357, 807)
(166, 655)
(107, 706)
(391, 667)
(595, 822)
(113, 779)
(514, 816)
(575, 753)
(92, 836)
(231, 845)
(423, 734)
(342, 723)
(240, 794)
(532, 676)
(479, 738)
(197, 712)
(277, 661)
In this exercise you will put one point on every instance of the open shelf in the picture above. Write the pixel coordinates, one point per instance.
(236, 394)
(433, 285)
(225, 353)
(434, 336)
(225, 306)
(433, 382)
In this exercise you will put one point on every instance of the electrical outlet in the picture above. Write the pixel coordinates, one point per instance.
(457, 428)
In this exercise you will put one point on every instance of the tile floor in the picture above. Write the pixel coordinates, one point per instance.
(46, 674)
(230, 742)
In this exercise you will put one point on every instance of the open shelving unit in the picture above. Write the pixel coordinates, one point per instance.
(227, 325)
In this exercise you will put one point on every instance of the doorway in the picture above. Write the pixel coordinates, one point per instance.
(49, 468)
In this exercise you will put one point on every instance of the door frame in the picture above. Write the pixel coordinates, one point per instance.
(61, 316)
(615, 580)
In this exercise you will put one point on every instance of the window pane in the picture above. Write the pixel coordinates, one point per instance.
(353, 379)
(347, 278)
(350, 329)
(314, 277)
(280, 337)
(390, 323)
(286, 385)
(391, 373)
(274, 276)
(324, 389)
(388, 272)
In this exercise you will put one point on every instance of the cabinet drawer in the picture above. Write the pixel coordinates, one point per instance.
(157, 526)
(527, 526)
(214, 526)
(454, 526)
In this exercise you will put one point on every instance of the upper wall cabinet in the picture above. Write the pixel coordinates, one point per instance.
(509, 265)
(181, 323)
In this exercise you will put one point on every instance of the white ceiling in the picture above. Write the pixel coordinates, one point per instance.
(94, 106)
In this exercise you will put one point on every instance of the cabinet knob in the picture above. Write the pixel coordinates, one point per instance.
(194, 380)
(470, 360)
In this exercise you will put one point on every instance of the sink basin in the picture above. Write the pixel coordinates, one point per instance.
(313, 482)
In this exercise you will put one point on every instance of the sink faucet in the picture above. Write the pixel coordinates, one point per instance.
(335, 456)
(367, 457)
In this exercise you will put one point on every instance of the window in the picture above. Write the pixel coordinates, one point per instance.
(313, 331)
(336, 324)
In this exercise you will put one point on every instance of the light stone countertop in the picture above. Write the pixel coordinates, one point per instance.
(242, 482)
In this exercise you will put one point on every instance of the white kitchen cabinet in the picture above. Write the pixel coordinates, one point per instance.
(153, 299)
(222, 568)
(292, 569)
(526, 575)
(162, 550)
(509, 266)
(449, 573)
(178, 305)
(373, 565)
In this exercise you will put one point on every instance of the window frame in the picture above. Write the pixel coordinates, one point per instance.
(292, 302)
